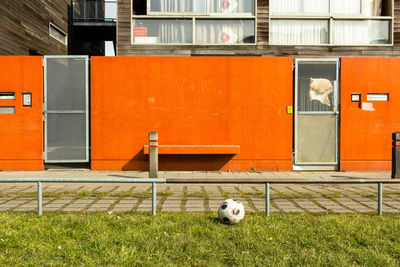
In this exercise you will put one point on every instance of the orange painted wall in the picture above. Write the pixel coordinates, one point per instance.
(366, 135)
(191, 100)
(21, 133)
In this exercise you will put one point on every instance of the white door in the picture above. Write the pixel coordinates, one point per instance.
(316, 117)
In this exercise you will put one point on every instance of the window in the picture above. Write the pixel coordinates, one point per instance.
(331, 22)
(57, 34)
(203, 22)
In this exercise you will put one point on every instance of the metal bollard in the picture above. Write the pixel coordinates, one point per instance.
(396, 155)
(153, 155)
(154, 199)
(39, 195)
(267, 199)
(380, 199)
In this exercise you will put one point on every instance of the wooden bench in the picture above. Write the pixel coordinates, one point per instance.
(195, 149)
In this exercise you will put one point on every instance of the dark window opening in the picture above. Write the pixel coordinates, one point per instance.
(139, 7)
(34, 52)
(386, 8)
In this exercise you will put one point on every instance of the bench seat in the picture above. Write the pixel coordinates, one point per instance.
(196, 149)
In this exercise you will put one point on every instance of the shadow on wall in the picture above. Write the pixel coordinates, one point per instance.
(179, 162)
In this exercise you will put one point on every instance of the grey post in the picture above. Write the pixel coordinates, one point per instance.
(267, 199)
(154, 199)
(380, 198)
(153, 155)
(39, 192)
(396, 155)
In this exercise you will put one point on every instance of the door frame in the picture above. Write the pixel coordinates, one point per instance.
(45, 110)
(298, 166)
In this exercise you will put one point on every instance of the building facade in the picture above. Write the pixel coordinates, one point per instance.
(55, 27)
(34, 27)
(227, 84)
(259, 27)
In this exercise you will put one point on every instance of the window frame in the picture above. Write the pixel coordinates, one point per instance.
(193, 16)
(51, 25)
(330, 17)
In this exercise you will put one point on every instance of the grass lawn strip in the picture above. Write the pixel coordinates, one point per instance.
(126, 239)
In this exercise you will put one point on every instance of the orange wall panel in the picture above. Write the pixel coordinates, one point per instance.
(21, 142)
(366, 135)
(191, 100)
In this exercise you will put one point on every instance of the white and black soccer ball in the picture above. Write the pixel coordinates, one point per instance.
(231, 211)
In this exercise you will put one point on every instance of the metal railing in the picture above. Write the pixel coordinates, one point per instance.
(268, 182)
(94, 10)
(39, 182)
(154, 181)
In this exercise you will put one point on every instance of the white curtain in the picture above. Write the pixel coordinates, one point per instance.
(298, 32)
(174, 32)
(346, 6)
(217, 32)
(300, 6)
(372, 7)
(231, 6)
(361, 32)
(365, 7)
(172, 5)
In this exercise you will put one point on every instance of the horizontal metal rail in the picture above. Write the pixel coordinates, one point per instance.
(212, 180)
(39, 182)
(154, 181)
(267, 183)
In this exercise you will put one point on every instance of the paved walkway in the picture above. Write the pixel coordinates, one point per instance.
(198, 198)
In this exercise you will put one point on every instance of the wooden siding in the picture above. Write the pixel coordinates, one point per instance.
(125, 48)
(262, 22)
(24, 26)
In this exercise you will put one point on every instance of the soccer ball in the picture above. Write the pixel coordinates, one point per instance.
(231, 211)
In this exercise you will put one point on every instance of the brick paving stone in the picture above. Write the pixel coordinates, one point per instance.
(215, 203)
(101, 205)
(79, 204)
(309, 205)
(171, 205)
(392, 202)
(260, 205)
(145, 205)
(394, 196)
(125, 205)
(140, 188)
(391, 188)
(56, 205)
(281, 189)
(317, 189)
(122, 208)
(31, 205)
(286, 206)
(18, 188)
(13, 203)
(373, 204)
(67, 188)
(299, 189)
(212, 190)
(123, 188)
(351, 204)
(332, 206)
(357, 193)
(195, 205)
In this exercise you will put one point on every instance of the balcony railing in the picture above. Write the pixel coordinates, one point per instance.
(95, 10)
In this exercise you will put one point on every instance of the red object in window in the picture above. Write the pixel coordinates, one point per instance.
(140, 31)
(225, 4)
(225, 37)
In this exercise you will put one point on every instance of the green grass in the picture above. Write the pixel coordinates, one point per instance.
(183, 239)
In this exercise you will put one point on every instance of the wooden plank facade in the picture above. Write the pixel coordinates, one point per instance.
(261, 48)
(24, 26)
